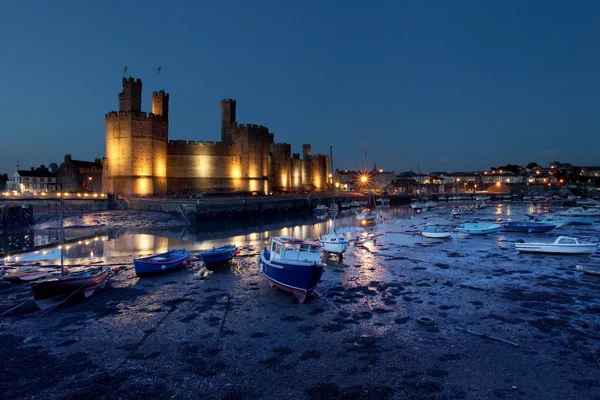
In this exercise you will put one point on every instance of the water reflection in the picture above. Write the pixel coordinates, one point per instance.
(253, 234)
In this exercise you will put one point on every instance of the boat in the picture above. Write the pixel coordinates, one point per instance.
(442, 198)
(430, 204)
(588, 202)
(562, 245)
(159, 263)
(560, 221)
(26, 275)
(579, 212)
(354, 204)
(83, 284)
(529, 227)
(417, 205)
(589, 268)
(437, 232)
(218, 257)
(321, 209)
(479, 229)
(368, 214)
(293, 265)
(334, 242)
(345, 205)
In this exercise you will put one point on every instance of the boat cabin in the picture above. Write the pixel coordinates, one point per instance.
(286, 248)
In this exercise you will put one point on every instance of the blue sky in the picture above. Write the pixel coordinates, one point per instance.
(446, 85)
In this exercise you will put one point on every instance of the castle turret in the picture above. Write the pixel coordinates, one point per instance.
(228, 120)
(306, 152)
(130, 99)
(136, 144)
(160, 104)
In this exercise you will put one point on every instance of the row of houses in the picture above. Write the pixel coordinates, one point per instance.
(71, 176)
(494, 181)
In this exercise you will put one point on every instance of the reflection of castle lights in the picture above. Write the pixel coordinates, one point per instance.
(91, 254)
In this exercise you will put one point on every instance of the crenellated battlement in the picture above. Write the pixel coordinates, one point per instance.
(131, 81)
(207, 148)
(133, 115)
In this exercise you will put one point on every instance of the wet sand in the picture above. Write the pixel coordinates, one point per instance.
(227, 335)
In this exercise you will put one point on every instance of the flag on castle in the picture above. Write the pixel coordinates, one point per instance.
(158, 69)
(125, 70)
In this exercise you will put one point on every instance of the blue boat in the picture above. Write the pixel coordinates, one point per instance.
(478, 229)
(159, 263)
(218, 257)
(293, 265)
(528, 227)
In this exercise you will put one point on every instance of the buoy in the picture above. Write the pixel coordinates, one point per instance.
(184, 263)
(66, 271)
(163, 267)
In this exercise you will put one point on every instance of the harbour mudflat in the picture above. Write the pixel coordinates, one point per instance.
(194, 333)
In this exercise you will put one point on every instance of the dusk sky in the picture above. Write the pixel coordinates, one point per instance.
(444, 85)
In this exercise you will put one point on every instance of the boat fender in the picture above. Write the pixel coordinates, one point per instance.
(184, 263)
(66, 271)
(163, 267)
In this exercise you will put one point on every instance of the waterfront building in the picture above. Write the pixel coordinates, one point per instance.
(142, 161)
(33, 181)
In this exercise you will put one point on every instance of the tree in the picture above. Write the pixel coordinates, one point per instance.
(532, 165)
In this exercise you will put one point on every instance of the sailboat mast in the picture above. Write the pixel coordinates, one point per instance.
(331, 172)
(62, 232)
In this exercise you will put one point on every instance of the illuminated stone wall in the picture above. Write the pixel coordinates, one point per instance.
(141, 161)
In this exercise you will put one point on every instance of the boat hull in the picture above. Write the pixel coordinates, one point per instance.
(555, 249)
(589, 268)
(217, 258)
(437, 235)
(83, 284)
(479, 229)
(299, 279)
(528, 227)
(161, 263)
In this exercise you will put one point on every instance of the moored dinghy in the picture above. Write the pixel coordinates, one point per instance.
(437, 232)
(562, 245)
(218, 257)
(26, 275)
(589, 268)
(293, 265)
(529, 227)
(159, 263)
(479, 229)
(83, 283)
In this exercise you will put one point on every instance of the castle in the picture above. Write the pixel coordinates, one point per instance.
(142, 161)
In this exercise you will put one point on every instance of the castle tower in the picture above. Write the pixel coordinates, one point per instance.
(130, 99)
(306, 152)
(228, 120)
(160, 104)
(136, 144)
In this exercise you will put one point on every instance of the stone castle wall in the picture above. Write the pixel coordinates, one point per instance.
(142, 161)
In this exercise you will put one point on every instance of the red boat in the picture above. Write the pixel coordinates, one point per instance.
(83, 284)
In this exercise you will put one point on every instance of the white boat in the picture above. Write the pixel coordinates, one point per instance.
(334, 242)
(442, 198)
(479, 229)
(588, 203)
(345, 204)
(437, 232)
(354, 203)
(579, 212)
(431, 204)
(368, 214)
(321, 209)
(417, 205)
(562, 245)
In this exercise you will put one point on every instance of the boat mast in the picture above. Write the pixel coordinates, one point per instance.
(332, 186)
(62, 232)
